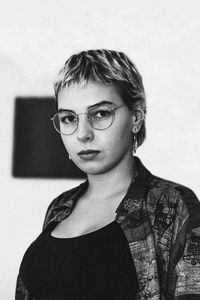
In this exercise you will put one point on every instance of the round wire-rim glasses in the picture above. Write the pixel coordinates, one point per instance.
(56, 119)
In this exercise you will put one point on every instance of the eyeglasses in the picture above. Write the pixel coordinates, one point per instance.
(100, 118)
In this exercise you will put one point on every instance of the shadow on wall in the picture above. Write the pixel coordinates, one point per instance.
(38, 150)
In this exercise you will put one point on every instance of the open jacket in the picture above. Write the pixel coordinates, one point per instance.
(161, 221)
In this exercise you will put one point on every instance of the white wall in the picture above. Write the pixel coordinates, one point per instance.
(36, 37)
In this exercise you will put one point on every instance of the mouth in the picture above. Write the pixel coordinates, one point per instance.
(88, 154)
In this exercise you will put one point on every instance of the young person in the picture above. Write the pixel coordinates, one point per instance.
(123, 233)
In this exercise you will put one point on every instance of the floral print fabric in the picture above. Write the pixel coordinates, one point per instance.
(161, 221)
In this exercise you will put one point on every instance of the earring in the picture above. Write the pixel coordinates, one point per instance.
(70, 157)
(134, 143)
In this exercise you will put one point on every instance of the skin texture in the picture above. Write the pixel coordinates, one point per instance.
(111, 170)
(114, 143)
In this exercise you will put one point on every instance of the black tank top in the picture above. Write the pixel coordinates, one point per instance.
(95, 266)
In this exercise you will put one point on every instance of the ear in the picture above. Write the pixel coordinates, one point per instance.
(138, 119)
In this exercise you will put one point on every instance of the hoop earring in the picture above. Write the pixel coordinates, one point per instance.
(135, 145)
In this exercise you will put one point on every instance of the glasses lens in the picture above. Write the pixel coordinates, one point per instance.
(100, 117)
(65, 122)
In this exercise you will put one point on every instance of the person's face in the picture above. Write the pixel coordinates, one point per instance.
(113, 145)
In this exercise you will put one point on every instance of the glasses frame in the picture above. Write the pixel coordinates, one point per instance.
(88, 118)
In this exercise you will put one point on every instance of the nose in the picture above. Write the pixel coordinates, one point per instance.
(84, 131)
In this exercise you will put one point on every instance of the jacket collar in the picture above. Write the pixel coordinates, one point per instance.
(132, 201)
(137, 190)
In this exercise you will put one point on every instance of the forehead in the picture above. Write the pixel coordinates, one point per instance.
(79, 97)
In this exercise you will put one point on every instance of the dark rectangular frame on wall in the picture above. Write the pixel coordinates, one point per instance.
(38, 151)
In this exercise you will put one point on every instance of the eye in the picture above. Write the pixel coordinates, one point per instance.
(67, 118)
(101, 114)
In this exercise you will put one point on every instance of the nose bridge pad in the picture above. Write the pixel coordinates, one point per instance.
(86, 131)
(89, 119)
(86, 118)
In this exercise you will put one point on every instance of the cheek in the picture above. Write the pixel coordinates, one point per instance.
(120, 137)
(125, 131)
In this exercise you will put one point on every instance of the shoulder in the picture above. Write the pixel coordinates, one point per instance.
(160, 191)
(63, 203)
(164, 194)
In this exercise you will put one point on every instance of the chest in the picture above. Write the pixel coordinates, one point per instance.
(84, 219)
(97, 266)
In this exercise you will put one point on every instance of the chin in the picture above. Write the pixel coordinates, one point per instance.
(95, 169)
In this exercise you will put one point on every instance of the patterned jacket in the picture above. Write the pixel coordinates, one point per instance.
(161, 221)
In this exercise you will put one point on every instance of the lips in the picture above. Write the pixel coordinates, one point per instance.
(87, 152)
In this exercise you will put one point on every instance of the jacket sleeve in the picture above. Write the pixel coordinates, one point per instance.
(175, 219)
(185, 254)
(21, 293)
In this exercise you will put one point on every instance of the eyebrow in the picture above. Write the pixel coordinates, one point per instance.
(104, 102)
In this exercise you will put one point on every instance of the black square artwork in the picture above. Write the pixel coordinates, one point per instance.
(38, 149)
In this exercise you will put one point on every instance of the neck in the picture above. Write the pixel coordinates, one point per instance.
(118, 179)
